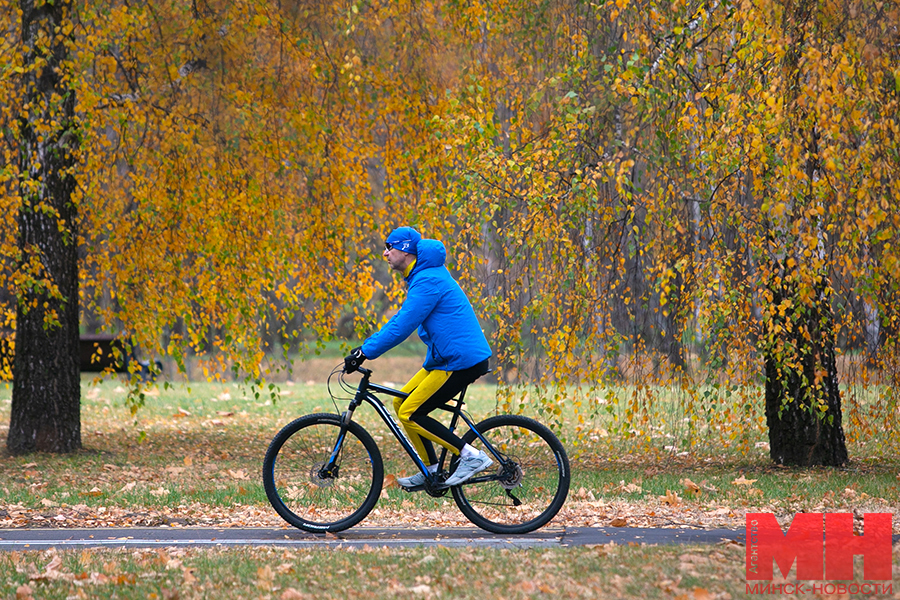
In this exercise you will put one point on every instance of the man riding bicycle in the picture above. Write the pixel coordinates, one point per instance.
(457, 354)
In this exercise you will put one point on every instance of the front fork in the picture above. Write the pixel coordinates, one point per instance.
(331, 467)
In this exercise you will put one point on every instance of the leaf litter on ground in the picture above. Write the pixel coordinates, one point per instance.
(186, 471)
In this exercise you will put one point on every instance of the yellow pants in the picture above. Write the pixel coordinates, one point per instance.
(421, 388)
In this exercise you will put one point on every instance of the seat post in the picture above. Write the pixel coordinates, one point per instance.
(456, 409)
(462, 395)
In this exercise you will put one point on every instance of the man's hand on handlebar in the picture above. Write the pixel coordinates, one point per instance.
(353, 361)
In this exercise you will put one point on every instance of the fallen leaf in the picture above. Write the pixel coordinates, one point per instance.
(264, 577)
(695, 559)
(421, 590)
(93, 492)
(690, 487)
(390, 481)
(292, 594)
(159, 492)
(602, 549)
(743, 481)
(23, 592)
(466, 556)
(702, 594)
(710, 489)
(170, 594)
(238, 474)
(54, 564)
(188, 461)
(619, 522)
(671, 498)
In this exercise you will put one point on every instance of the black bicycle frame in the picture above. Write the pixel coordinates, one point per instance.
(363, 394)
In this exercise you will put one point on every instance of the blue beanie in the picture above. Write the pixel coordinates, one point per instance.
(405, 239)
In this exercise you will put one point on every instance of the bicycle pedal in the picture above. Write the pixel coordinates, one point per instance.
(413, 488)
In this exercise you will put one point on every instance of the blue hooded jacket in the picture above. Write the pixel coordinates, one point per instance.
(437, 306)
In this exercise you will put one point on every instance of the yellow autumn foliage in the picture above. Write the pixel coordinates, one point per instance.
(621, 186)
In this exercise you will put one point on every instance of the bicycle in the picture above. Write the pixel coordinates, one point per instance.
(324, 472)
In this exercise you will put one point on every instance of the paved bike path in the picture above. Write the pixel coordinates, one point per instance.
(135, 537)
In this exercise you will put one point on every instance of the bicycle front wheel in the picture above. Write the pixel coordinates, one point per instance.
(313, 494)
(524, 490)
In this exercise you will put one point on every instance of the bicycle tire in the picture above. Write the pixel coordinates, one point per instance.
(541, 482)
(295, 487)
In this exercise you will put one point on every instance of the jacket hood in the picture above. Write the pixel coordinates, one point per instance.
(439, 310)
(430, 253)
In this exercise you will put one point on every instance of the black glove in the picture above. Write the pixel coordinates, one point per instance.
(354, 360)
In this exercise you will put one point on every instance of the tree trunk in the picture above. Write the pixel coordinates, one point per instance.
(803, 401)
(46, 380)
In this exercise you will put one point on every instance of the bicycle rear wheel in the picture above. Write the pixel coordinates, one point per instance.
(304, 493)
(524, 490)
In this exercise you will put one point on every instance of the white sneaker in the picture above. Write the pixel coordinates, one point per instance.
(469, 466)
(412, 481)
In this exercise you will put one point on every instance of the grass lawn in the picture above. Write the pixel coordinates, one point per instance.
(607, 571)
(192, 457)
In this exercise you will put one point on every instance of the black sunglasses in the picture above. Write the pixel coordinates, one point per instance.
(390, 246)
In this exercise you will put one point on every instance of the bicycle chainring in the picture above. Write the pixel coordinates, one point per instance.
(436, 492)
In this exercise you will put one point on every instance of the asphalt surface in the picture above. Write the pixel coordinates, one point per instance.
(134, 537)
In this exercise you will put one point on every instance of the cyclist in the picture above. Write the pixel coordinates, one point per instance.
(457, 354)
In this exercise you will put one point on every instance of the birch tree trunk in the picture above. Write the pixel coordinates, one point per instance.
(46, 399)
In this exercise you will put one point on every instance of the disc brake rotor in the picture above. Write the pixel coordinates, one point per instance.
(315, 476)
(511, 477)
